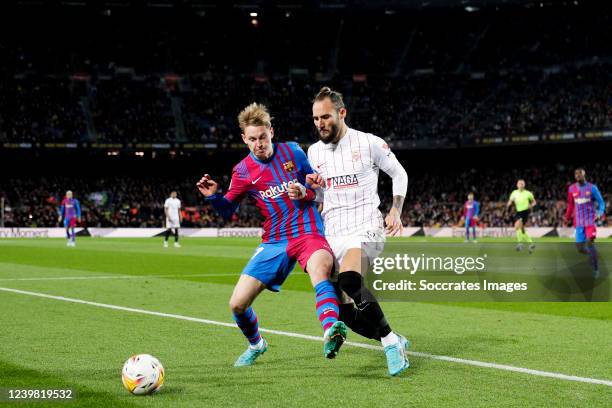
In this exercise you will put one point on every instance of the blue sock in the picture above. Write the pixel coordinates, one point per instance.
(593, 257)
(247, 322)
(327, 304)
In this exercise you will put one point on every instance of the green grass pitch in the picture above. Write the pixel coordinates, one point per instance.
(49, 343)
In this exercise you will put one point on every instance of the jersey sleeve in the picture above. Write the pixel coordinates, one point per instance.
(531, 198)
(383, 157)
(601, 204)
(512, 196)
(238, 187)
(60, 211)
(226, 205)
(167, 203)
(301, 159)
(476, 209)
(77, 207)
(311, 159)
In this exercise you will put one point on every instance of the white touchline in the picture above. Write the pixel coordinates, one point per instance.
(476, 363)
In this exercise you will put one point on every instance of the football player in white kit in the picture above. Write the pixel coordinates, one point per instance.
(347, 163)
(172, 210)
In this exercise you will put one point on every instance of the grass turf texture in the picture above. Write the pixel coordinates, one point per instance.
(48, 343)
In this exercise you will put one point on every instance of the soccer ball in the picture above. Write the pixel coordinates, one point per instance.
(142, 374)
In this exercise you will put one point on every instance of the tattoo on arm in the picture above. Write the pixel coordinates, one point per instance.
(398, 203)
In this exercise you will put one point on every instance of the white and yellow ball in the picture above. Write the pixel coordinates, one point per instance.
(142, 374)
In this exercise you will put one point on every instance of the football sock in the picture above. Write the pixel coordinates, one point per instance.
(389, 339)
(355, 320)
(67, 233)
(526, 237)
(257, 346)
(352, 283)
(467, 233)
(327, 304)
(167, 234)
(176, 237)
(474, 232)
(593, 257)
(247, 322)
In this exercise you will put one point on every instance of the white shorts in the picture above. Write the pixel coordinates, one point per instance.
(371, 241)
(173, 223)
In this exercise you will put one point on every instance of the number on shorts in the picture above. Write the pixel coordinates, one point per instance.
(257, 251)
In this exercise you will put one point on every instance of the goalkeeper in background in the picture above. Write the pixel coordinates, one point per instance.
(523, 202)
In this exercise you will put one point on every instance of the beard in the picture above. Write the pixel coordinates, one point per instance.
(331, 136)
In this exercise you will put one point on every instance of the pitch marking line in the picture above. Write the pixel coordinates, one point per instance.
(476, 363)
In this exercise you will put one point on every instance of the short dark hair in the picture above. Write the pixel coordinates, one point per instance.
(334, 96)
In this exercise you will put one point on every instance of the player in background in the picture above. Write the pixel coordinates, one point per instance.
(70, 212)
(293, 231)
(580, 198)
(347, 163)
(471, 210)
(523, 202)
(172, 210)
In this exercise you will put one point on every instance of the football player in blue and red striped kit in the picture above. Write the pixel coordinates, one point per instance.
(581, 197)
(293, 230)
(70, 212)
(471, 211)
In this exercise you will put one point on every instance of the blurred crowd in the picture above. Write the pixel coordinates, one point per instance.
(441, 78)
(434, 199)
(444, 110)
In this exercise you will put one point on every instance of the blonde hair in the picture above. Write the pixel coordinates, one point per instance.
(254, 115)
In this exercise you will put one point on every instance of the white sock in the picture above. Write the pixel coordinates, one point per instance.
(389, 339)
(257, 346)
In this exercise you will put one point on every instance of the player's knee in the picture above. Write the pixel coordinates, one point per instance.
(350, 282)
(323, 269)
(238, 306)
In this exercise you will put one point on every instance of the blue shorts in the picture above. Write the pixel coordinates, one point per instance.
(69, 222)
(586, 233)
(270, 264)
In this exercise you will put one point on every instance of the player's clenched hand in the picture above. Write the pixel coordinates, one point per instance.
(207, 186)
(314, 180)
(393, 223)
(296, 191)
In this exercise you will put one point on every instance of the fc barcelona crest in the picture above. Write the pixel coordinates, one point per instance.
(289, 166)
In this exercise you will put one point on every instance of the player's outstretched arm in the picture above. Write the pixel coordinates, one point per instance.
(207, 186)
(224, 206)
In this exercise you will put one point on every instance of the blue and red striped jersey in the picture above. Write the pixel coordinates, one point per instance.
(266, 183)
(70, 208)
(580, 204)
(471, 209)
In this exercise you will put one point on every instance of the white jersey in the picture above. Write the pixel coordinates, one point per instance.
(173, 205)
(350, 170)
